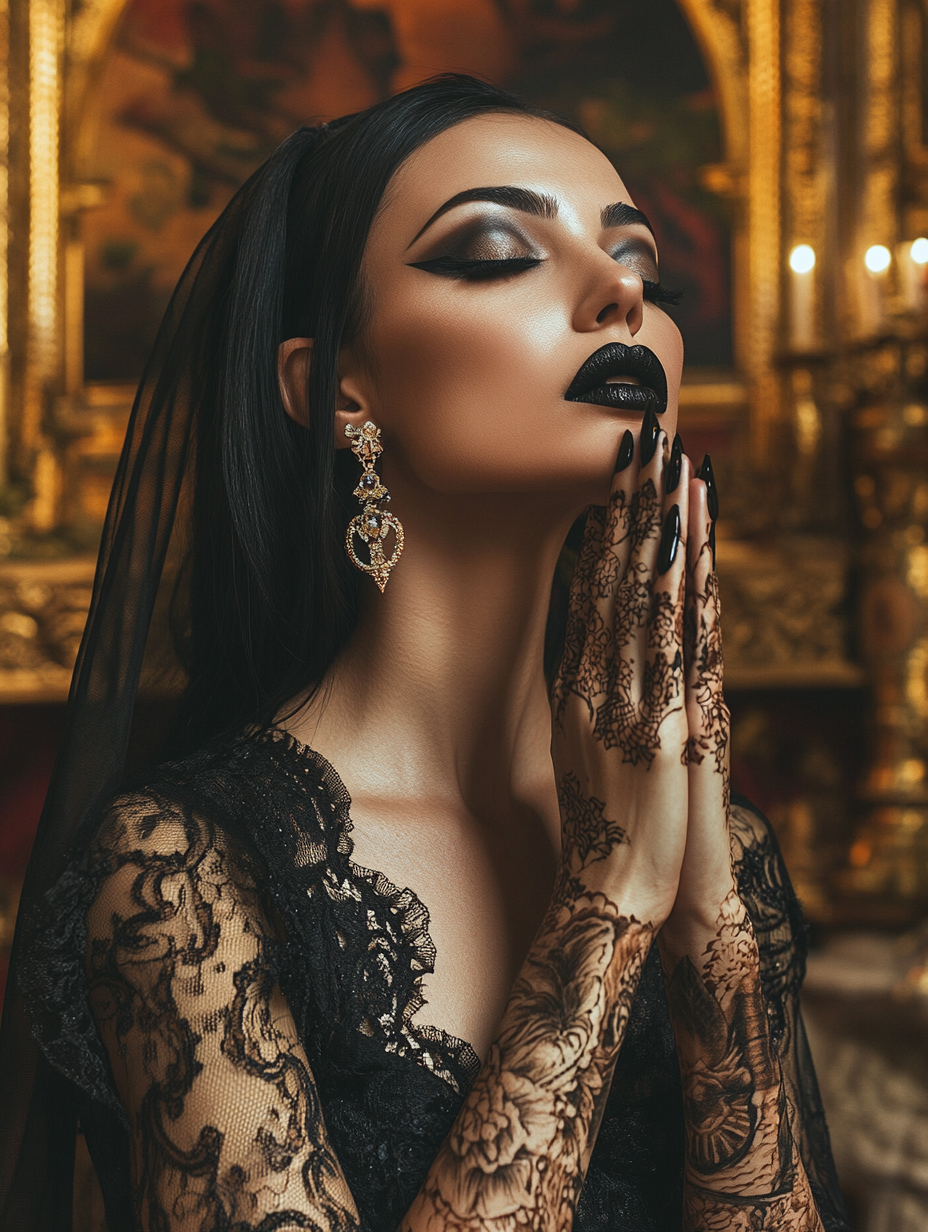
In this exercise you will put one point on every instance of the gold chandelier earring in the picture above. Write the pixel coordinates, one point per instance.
(373, 524)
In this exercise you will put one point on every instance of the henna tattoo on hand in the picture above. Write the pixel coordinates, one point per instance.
(633, 603)
(605, 575)
(703, 650)
(666, 630)
(632, 727)
(626, 700)
(743, 1171)
(645, 518)
(588, 835)
(579, 614)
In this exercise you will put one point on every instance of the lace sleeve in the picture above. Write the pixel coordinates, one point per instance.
(765, 889)
(226, 1125)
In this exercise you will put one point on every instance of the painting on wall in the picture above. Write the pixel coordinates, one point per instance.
(196, 93)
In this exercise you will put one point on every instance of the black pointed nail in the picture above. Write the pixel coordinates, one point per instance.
(650, 431)
(672, 473)
(707, 475)
(670, 540)
(626, 452)
(712, 542)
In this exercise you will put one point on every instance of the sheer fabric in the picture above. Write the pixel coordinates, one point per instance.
(216, 947)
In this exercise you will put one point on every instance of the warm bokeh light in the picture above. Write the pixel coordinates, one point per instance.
(919, 251)
(877, 259)
(802, 259)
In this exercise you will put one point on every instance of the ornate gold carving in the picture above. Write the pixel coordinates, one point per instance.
(763, 23)
(43, 609)
(881, 146)
(782, 613)
(46, 29)
(805, 169)
(889, 856)
(45, 36)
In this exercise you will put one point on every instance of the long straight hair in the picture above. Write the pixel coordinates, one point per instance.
(271, 595)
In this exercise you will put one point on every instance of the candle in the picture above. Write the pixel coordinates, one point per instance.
(913, 268)
(873, 287)
(802, 298)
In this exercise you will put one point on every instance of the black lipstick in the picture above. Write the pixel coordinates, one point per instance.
(615, 359)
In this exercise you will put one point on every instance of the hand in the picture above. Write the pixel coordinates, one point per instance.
(620, 722)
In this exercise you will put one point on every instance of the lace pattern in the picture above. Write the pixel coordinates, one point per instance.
(236, 957)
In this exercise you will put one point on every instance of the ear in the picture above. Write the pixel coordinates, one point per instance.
(353, 405)
(293, 359)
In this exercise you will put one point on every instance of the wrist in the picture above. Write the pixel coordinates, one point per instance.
(692, 926)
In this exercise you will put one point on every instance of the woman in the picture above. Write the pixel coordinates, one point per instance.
(254, 1030)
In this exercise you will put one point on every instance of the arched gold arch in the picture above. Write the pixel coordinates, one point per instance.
(744, 43)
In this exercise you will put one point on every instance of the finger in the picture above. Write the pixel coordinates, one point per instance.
(699, 567)
(616, 542)
(663, 689)
(606, 572)
(587, 640)
(617, 719)
(707, 714)
(579, 608)
(633, 597)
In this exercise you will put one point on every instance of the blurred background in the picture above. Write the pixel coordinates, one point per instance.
(780, 148)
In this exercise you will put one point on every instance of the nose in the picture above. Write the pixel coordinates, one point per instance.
(614, 296)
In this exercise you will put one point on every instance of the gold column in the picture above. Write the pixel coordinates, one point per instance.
(763, 25)
(46, 27)
(804, 163)
(888, 861)
(4, 239)
(880, 67)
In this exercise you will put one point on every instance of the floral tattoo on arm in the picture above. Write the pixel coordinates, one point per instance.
(517, 1154)
(743, 1172)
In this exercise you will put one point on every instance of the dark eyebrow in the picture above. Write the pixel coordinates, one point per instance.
(522, 199)
(623, 215)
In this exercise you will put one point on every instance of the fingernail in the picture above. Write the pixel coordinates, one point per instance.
(670, 540)
(626, 452)
(650, 431)
(672, 473)
(712, 542)
(707, 475)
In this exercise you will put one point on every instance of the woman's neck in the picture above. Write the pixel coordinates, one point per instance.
(440, 693)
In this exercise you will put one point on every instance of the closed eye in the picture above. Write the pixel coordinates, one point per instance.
(477, 270)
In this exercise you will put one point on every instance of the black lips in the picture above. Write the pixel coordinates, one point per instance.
(617, 359)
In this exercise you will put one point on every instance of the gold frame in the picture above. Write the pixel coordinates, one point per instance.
(65, 56)
(763, 56)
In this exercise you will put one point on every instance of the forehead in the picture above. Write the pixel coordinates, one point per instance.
(494, 150)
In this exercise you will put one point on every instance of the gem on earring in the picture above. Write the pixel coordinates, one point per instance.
(373, 524)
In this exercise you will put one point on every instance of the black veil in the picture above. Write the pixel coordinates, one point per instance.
(142, 531)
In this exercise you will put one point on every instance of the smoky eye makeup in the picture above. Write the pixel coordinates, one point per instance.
(482, 250)
(639, 256)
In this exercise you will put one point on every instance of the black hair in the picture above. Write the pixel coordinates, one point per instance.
(272, 596)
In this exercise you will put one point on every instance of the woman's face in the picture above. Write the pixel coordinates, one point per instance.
(499, 263)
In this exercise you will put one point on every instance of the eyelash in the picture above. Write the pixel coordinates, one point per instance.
(486, 270)
(657, 293)
(477, 271)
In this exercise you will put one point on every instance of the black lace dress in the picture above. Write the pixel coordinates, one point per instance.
(220, 940)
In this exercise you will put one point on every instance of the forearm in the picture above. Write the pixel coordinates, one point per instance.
(742, 1167)
(518, 1150)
